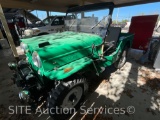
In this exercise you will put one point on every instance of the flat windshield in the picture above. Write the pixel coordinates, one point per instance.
(94, 22)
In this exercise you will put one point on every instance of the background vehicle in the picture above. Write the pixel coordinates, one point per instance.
(16, 24)
(58, 63)
(53, 24)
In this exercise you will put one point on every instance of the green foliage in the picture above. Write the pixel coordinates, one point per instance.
(120, 22)
(124, 21)
(141, 14)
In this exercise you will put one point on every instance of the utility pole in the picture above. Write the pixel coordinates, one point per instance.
(117, 16)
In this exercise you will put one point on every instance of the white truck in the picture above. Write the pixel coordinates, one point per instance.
(53, 24)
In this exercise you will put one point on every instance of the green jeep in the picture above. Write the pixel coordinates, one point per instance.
(55, 65)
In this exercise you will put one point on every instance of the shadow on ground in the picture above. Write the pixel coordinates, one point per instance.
(132, 92)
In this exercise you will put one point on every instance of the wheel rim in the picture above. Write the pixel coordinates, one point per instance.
(72, 98)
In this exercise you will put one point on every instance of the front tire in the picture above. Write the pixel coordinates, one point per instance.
(66, 98)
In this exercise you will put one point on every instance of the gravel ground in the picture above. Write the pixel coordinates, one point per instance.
(135, 87)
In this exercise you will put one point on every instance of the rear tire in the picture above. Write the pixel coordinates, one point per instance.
(66, 98)
(122, 60)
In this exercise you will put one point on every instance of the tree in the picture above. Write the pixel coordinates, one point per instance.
(124, 21)
(141, 14)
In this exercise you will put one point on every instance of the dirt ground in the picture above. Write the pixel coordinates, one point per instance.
(135, 89)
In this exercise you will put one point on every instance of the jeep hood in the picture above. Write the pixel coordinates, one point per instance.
(63, 48)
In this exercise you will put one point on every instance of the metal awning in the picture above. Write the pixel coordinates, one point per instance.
(62, 5)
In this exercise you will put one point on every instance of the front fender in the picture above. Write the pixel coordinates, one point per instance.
(68, 69)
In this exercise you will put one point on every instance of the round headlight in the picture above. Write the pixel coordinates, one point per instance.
(36, 59)
(24, 47)
(28, 33)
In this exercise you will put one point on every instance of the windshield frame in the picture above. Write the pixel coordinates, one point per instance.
(92, 7)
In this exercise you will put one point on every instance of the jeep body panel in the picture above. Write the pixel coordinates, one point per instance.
(60, 55)
(68, 69)
(125, 40)
(63, 48)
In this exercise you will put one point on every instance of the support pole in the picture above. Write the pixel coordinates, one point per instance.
(26, 18)
(8, 34)
(1, 35)
(81, 4)
(48, 15)
(117, 16)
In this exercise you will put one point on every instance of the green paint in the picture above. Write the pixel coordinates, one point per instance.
(70, 50)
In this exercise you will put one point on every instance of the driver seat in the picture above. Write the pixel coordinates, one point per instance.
(111, 39)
